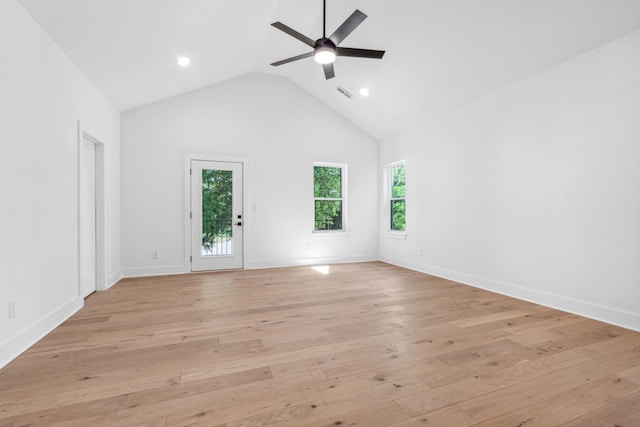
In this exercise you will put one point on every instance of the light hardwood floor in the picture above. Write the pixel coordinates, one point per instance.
(368, 344)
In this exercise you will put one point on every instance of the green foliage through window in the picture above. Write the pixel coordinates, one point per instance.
(398, 201)
(327, 191)
(217, 207)
(327, 182)
(328, 215)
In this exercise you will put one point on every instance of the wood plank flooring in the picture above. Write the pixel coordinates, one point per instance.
(368, 344)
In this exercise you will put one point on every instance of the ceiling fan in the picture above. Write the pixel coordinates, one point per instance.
(325, 49)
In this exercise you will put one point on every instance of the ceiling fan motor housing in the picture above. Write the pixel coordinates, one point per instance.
(324, 43)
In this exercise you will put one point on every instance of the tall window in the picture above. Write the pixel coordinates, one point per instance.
(397, 197)
(329, 196)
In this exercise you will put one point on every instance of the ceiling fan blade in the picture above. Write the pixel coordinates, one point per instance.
(359, 53)
(347, 27)
(329, 72)
(293, 33)
(294, 58)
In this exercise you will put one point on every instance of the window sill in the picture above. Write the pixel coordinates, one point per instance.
(330, 234)
(396, 235)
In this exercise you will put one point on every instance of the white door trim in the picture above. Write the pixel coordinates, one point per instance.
(85, 132)
(187, 202)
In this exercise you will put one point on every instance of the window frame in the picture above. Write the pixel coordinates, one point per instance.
(388, 199)
(343, 199)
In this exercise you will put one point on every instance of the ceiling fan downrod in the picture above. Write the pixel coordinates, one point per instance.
(324, 19)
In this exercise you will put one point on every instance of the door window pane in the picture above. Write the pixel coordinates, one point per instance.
(217, 213)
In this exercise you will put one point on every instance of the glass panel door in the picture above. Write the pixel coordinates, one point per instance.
(216, 215)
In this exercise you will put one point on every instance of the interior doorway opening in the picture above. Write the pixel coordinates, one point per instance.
(91, 212)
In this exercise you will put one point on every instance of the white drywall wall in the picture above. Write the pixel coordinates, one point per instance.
(281, 130)
(43, 97)
(535, 190)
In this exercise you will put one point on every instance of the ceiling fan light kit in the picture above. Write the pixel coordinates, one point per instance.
(325, 49)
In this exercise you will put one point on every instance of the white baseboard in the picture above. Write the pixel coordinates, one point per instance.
(250, 265)
(20, 342)
(113, 279)
(165, 270)
(602, 313)
(297, 262)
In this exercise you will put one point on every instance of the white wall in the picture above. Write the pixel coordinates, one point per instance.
(281, 130)
(535, 190)
(43, 95)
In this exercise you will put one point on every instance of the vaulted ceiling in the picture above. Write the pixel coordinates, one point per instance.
(439, 53)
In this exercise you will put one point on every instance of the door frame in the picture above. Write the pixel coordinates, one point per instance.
(86, 132)
(187, 202)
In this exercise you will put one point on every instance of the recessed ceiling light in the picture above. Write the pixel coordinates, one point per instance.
(183, 61)
(364, 91)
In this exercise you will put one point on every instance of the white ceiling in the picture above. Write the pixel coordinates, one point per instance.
(440, 53)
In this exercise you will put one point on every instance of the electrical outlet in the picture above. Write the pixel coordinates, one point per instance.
(12, 308)
(155, 255)
(419, 251)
